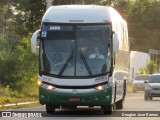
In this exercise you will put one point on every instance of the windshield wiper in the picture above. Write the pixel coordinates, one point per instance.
(66, 64)
(86, 64)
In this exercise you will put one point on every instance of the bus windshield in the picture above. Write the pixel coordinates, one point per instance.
(69, 50)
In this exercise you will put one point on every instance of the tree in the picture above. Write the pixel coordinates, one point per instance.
(27, 15)
(151, 67)
(124, 7)
(6, 16)
(67, 2)
(18, 66)
(143, 24)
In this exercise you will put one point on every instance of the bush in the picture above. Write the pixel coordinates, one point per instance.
(18, 70)
(151, 67)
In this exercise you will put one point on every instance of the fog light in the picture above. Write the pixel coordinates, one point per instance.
(42, 96)
(107, 97)
(39, 82)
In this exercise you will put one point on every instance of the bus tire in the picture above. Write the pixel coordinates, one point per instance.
(145, 97)
(124, 89)
(150, 97)
(115, 91)
(50, 108)
(107, 109)
(119, 104)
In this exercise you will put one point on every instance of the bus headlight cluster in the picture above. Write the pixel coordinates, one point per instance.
(50, 87)
(102, 87)
(99, 87)
(47, 86)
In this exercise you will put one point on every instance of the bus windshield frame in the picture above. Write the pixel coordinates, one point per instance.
(74, 46)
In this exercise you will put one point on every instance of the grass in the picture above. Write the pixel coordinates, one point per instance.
(8, 100)
(21, 106)
(7, 95)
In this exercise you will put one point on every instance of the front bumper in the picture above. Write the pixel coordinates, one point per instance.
(153, 93)
(103, 97)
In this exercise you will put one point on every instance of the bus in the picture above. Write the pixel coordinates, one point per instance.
(69, 74)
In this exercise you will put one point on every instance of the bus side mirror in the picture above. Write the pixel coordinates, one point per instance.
(115, 42)
(34, 40)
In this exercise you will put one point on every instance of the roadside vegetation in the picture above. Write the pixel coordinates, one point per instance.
(20, 18)
(18, 72)
(151, 68)
(22, 106)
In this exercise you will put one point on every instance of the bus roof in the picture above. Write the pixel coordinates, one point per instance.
(81, 14)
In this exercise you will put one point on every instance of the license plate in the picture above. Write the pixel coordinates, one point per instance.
(74, 99)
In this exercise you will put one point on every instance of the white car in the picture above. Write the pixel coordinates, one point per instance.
(152, 88)
(138, 82)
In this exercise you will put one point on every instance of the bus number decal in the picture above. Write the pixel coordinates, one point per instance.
(45, 78)
(55, 28)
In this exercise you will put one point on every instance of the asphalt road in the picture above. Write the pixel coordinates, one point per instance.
(133, 102)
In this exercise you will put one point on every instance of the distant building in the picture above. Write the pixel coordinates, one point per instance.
(138, 60)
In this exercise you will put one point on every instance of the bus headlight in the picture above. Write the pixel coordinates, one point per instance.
(99, 87)
(47, 86)
(102, 87)
(50, 87)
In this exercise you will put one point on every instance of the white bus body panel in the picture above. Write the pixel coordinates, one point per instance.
(81, 14)
(73, 82)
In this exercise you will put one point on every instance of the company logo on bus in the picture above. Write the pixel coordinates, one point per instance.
(103, 78)
(74, 91)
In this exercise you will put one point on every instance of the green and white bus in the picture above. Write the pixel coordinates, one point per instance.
(68, 76)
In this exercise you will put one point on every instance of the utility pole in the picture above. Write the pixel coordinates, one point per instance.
(49, 3)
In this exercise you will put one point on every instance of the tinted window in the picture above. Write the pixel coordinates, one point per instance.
(154, 79)
(142, 77)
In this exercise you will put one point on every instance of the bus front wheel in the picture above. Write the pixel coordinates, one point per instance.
(50, 108)
(119, 104)
(107, 109)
